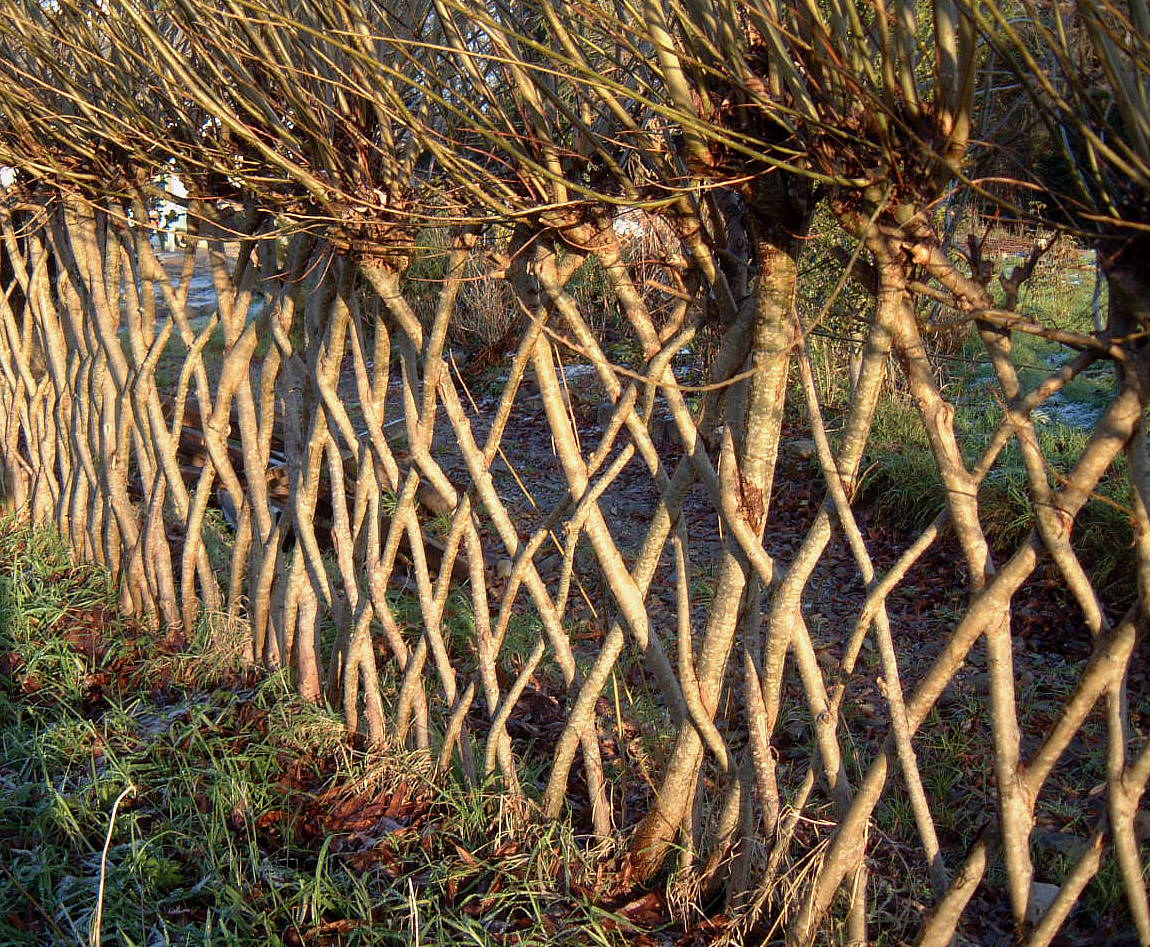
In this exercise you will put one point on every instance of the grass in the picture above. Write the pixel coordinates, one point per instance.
(1059, 295)
(245, 817)
(902, 486)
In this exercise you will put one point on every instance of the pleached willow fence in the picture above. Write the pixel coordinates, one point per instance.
(527, 578)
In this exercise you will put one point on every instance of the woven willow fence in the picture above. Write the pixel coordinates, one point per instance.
(312, 452)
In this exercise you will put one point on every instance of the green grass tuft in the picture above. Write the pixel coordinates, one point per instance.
(250, 820)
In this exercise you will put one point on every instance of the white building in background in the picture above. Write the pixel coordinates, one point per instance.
(170, 213)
